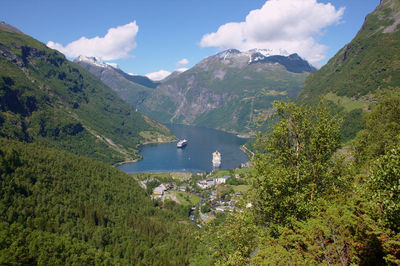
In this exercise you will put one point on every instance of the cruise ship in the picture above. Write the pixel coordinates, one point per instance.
(216, 160)
(182, 143)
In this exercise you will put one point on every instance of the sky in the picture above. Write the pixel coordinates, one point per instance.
(156, 37)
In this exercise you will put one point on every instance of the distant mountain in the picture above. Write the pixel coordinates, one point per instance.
(369, 64)
(172, 75)
(231, 90)
(45, 98)
(131, 88)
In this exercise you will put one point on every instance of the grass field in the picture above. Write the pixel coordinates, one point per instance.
(241, 188)
(347, 103)
(222, 173)
(186, 198)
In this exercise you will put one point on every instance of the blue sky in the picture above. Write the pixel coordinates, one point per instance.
(154, 35)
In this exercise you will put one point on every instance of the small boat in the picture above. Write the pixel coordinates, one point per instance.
(216, 160)
(182, 143)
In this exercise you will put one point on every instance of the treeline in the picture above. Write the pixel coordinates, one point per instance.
(58, 208)
(314, 201)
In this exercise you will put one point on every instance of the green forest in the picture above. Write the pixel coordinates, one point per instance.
(315, 200)
(58, 208)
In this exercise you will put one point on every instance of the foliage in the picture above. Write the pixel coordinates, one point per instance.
(382, 125)
(290, 173)
(236, 181)
(353, 219)
(205, 207)
(384, 186)
(231, 242)
(59, 208)
(151, 185)
(336, 233)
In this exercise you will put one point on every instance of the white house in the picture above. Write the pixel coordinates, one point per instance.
(159, 190)
(221, 180)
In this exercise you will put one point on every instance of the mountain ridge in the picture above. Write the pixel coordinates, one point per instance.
(369, 63)
(353, 80)
(45, 98)
(230, 91)
(132, 88)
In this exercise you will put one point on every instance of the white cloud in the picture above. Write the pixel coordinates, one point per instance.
(181, 63)
(182, 69)
(159, 75)
(288, 24)
(116, 44)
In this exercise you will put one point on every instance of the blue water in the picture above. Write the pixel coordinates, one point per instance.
(195, 157)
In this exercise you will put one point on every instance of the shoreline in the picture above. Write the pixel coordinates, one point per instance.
(159, 142)
(127, 161)
(247, 151)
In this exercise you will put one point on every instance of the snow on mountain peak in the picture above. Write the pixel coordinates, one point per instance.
(114, 65)
(254, 55)
(95, 61)
(231, 53)
(268, 52)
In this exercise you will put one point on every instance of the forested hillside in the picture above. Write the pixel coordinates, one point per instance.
(46, 98)
(58, 208)
(312, 203)
(366, 67)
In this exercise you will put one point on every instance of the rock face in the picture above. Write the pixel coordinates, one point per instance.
(132, 88)
(231, 90)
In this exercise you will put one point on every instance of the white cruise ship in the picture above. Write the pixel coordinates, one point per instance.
(182, 143)
(216, 160)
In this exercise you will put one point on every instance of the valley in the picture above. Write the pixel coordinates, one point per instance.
(195, 157)
(317, 182)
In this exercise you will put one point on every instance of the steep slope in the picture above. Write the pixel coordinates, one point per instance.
(230, 91)
(368, 64)
(45, 98)
(131, 88)
(61, 209)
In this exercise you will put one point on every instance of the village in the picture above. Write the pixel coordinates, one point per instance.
(205, 195)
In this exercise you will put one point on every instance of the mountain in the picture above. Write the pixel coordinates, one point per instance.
(132, 88)
(370, 62)
(365, 67)
(46, 98)
(231, 90)
(173, 75)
